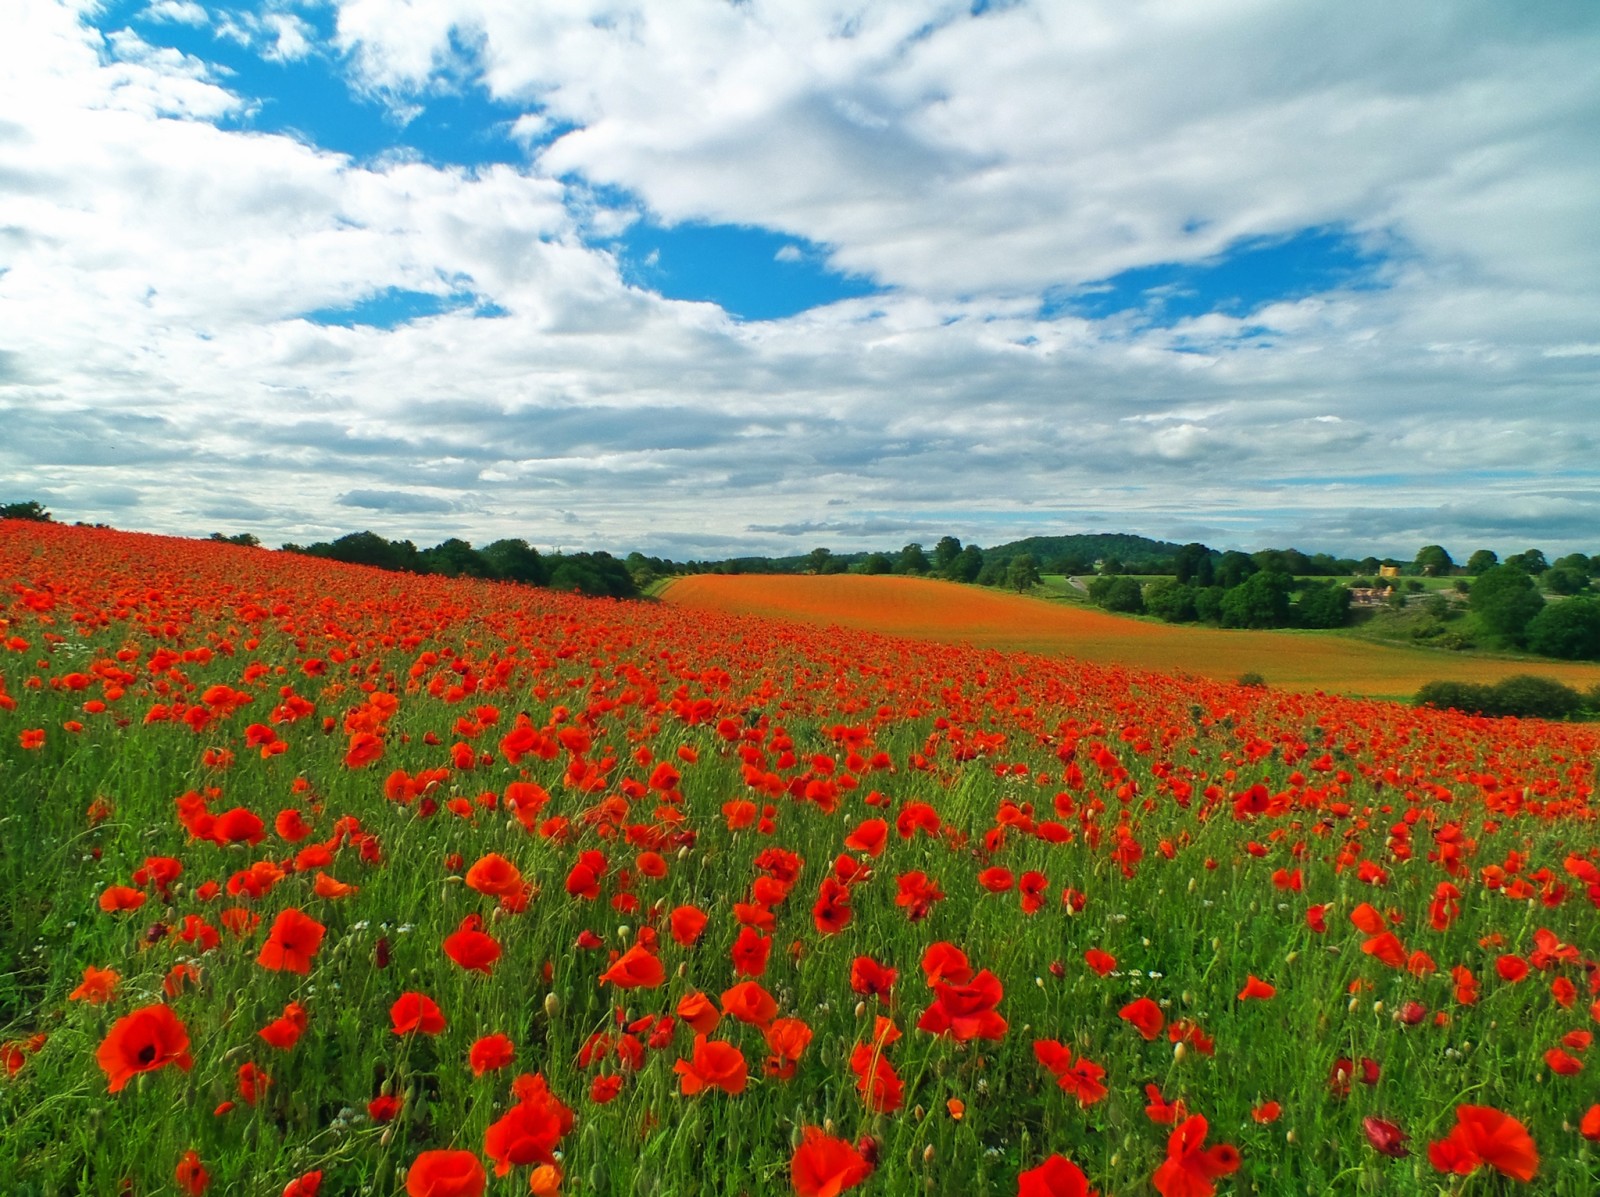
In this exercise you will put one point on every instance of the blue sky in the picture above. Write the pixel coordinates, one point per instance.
(727, 278)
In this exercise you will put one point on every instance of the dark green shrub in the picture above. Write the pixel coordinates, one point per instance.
(1522, 695)
(1569, 630)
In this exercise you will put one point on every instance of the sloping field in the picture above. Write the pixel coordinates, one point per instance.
(948, 612)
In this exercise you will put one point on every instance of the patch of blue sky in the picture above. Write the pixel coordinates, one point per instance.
(311, 97)
(1244, 278)
(394, 306)
(751, 273)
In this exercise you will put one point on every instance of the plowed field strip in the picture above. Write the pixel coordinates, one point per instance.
(951, 613)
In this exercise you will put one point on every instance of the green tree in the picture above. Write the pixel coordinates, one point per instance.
(1168, 599)
(1581, 562)
(1022, 573)
(1192, 563)
(1482, 561)
(1569, 630)
(967, 565)
(30, 509)
(821, 561)
(1260, 601)
(877, 563)
(1562, 579)
(1234, 568)
(454, 558)
(945, 554)
(912, 560)
(1529, 561)
(1323, 605)
(1208, 603)
(1505, 599)
(1117, 592)
(1433, 561)
(515, 560)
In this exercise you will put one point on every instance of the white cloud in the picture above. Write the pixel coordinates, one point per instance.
(179, 12)
(159, 264)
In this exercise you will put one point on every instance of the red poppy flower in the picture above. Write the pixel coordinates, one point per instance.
(446, 1174)
(966, 1011)
(416, 1012)
(530, 1130)
(749, 1003)
(869, 978)
(823, 1166)
(284, 1031)
(1256, 990)
(635, 968)
(142, 1041)
(490, 1053)
(1083, 1078)
(787, 1040)
(700, 1012)
(945, 962)
(713, 1065)
(191, 1175)
(1385, 1137)
(385, 1107)
(1484, 1135)
(307, 1185)
(470, 948)
(1101, 962)
(1190, 1167)
(292, 942)
(118, 898)
(687, 922)
(1056, 1177)
(870, 836)
(750, 951)
(98, 987)
(1589, 1127)
(1144, 1016)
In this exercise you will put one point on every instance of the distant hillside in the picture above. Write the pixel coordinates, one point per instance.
(1087, 548)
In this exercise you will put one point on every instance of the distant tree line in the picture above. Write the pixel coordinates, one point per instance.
(509, 560)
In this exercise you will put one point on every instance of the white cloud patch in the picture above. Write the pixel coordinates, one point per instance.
(159, 266)
(178, 12)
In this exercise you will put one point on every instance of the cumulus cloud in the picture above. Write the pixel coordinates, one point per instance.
(162, 256)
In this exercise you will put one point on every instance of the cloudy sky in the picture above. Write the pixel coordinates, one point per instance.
(700, 277)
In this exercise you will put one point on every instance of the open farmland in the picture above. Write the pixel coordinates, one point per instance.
(323, 880)
(955, 614)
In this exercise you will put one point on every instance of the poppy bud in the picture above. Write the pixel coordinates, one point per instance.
(1178, 1052)
(927, 1154)
(861, 1009)
(552, 1005)
(380, 952)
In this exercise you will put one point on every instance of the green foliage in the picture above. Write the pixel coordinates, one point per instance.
(1505, 599)
(1563, 579)
(1323, 605)
(877, 563)
(1169, 600)
(247, 540)
(453, 558)
(1529, 561)
(1135, 552)
(945, 554)
(1261, 601)
(591, 573)
(1522, 695)
(1433, 561)
(1193, 563)
(1234, 568)
(30, 509)
(1569, 630)
(1022, 572)
(912, 560)
(967, 565)
(1117, 592)
(1208, 604)
(1482, 561)
(517, 561)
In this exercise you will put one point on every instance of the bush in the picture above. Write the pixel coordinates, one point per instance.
(1522, 695)
(1569, 630)
(1252, 681)
(1117, 593)
(1168, 600)
(1505, 599)
(1323, 605)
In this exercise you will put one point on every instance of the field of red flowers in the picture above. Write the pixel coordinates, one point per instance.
(319, 880)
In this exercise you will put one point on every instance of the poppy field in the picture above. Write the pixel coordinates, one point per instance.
(951, 613)
(321, 880)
